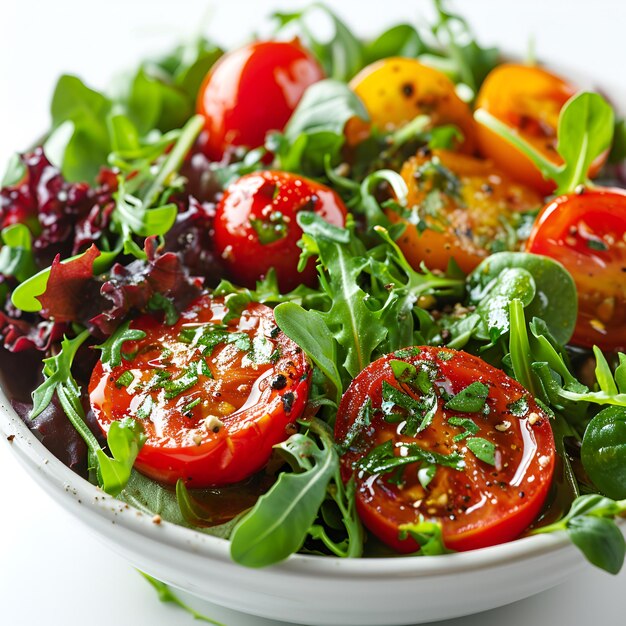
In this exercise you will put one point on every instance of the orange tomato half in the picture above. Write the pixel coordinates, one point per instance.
(460, 208)
(529, 99)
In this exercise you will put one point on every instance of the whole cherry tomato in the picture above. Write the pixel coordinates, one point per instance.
(440, 435)
(460, 208)
(529, 99)
(256, 227)
(396, 90)
(213, 397)
(587, 233)
(253, 90)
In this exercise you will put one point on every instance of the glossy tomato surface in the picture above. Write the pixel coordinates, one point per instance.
(253, 90)
(396, 90)
(587, 233)
(256, 227)
(213, 397)
(461, 208)
(529, 99)
(484, 503)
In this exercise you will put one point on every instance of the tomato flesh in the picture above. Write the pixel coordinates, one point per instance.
(396, 90)
(478, 506)
(253, 90)
(256, 227)
(471, 218)
(587, 233)
(213, 398)
(528, 99)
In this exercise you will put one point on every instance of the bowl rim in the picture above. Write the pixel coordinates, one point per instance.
(51, 471)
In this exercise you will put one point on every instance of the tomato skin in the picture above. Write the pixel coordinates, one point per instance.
(570, 229)
(529, 99)
(467, 226)
(254, 410)
(259, 198)
(253, 90)
(477, 507)
(396, 90)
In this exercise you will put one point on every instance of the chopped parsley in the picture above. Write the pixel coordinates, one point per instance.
(468, 424)
(145, 408)
(383, 459)
(482, 449)
(469, 400)
(519, 408)
(125, 380)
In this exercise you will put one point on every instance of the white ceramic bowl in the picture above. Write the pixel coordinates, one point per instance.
(303, 589)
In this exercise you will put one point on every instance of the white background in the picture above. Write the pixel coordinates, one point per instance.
(52, 571)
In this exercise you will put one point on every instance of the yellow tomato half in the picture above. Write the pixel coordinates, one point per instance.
(396, 90)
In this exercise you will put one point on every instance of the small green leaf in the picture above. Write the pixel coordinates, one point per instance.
(600, 540)
(469, 400)
(125, 439)
(112, 348)
(603, 451)
(279, 522)
(310, 332)
(482, 449)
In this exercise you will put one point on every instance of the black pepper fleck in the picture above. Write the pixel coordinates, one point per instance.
(280, 382)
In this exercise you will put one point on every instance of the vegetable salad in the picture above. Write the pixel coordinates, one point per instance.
(348, 298)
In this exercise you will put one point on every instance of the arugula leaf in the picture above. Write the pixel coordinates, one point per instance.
(356, 327)
(166, 595)
(279, 522)
(341, 56)
(112, 348)
(469, 61)
(585, 131)
(125, 439)
(310, 332)
(590, 526)
(428, 536)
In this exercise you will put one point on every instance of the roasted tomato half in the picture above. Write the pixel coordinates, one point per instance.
(213, 395)
(461, 208)
(529, 99)
(253, 90)
(436, 434)
(586, 232)
(396, 90)
(256, 227)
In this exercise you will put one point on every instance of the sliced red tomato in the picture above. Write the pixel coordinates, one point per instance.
(253, 90)
(587, 233)
(213, 396)
(528, 99)
(256, 227)
(479, 451)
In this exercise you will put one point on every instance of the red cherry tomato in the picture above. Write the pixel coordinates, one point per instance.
(256, 228)
(253, 90)
(213, 397)
(490, 500)
(587, 234)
